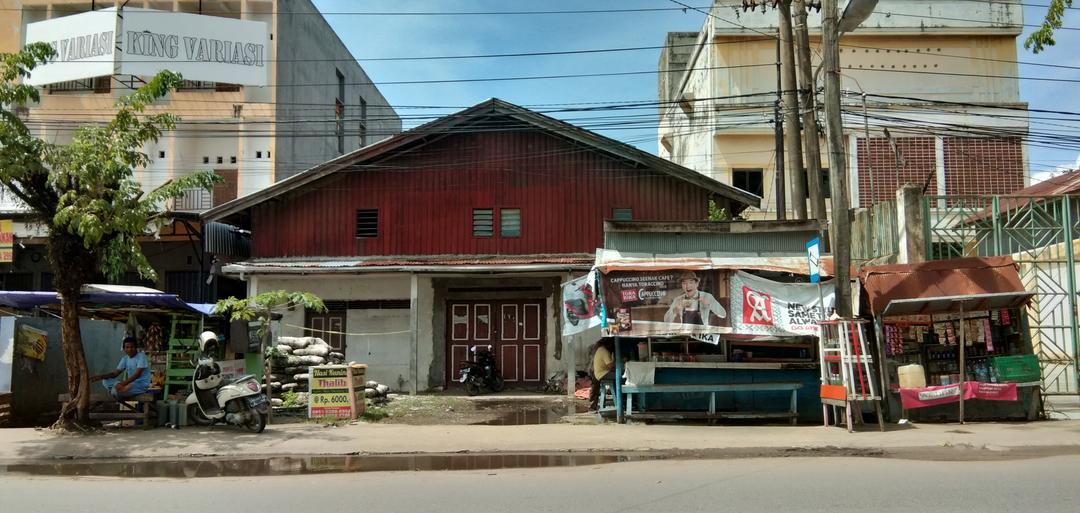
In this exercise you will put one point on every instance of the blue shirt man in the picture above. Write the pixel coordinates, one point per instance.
(136, 370)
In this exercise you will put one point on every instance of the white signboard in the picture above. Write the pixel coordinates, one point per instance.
(207, 48)
(769, 308)
(143, 42)
(85, 47)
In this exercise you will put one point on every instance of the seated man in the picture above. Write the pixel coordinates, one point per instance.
(603, 371)
(136, 370)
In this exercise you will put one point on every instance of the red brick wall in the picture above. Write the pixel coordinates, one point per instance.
(983, 166)
(919, 165)
(972, 166)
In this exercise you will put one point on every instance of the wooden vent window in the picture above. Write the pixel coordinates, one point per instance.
(367, 223)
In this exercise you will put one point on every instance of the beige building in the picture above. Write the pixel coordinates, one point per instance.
(317, 103)
(938, 75)
(294, 98)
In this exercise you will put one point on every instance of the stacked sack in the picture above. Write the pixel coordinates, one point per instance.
(289, 364)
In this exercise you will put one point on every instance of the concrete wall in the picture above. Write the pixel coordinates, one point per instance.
(388, 356)
(35, 385)
(314, 52)
(381, 339)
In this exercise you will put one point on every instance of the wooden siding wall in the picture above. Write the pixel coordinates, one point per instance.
(425, 198)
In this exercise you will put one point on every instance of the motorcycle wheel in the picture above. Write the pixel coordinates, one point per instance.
(472, 388)
(257, 423)
(195, 415)
(498, 384)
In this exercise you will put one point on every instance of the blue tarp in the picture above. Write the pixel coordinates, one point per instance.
(102, 300)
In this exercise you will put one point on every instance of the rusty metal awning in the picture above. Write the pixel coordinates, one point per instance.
(947, 304)
(931, 284)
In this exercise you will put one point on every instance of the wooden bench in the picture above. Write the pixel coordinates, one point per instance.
(712, 390)
(104, 407)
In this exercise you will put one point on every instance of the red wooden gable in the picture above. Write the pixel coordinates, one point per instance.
(425, 197)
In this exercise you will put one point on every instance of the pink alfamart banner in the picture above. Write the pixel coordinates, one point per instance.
(913, 398)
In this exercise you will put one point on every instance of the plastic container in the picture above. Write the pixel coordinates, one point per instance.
(912, 376)
(1016, 369)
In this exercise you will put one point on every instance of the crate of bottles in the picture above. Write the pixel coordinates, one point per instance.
(1016, 369)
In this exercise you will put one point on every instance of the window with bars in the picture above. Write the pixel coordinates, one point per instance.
(510, 222)
(367, 223)
(483, 222)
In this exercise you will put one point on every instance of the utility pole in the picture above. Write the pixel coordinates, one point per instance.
(808, 102)
(779, 183)
(840, 230)
(792, 137)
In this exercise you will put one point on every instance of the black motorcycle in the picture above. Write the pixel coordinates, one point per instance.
(483, 372)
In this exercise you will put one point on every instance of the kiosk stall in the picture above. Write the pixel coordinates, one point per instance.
(714, 338)
(955, 341)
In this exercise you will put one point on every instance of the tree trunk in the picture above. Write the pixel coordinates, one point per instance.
(73, 266)
(78, 380)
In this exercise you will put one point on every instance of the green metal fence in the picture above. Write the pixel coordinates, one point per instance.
(1039, 232)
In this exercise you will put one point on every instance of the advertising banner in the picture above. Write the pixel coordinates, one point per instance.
(336, 391)
(913, 398)
(769, 308)
(667, 303)
(581, 305)
(7, 241)
(85, 47)
(143, 42)
(208, 48)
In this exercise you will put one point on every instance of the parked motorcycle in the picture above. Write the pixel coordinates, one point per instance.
(239, 403)
(483, 372)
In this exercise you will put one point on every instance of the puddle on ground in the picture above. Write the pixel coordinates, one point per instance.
(291, 465)
(516, 414)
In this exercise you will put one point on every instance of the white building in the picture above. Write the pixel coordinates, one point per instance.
(940, 76)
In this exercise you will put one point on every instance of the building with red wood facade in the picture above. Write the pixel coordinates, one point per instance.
(456, 233)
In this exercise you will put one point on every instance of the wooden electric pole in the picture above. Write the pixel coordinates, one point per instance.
(808, 101)
(840, 229)
(792, 136)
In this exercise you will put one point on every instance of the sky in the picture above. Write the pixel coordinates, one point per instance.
(369, 36)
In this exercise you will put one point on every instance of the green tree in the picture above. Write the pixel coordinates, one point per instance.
(716, 214)
(262, 308)
(1055, 15)
(85, 195)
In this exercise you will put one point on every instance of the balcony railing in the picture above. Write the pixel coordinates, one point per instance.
(195, 200)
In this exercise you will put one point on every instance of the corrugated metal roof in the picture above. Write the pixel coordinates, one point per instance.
(1066, 184)
(611, 260)
(449, 123)
(410, 263)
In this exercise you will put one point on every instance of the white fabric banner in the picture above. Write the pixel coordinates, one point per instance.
(765, 307)
(580, 305)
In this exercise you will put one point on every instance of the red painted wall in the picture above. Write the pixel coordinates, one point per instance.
(426, 196)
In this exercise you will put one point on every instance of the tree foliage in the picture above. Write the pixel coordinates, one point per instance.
(84, 193)
(262, 307)
(1038, 40)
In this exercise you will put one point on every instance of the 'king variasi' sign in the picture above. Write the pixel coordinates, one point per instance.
(143, 42)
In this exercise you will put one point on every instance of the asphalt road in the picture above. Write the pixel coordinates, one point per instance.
(830, 485)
